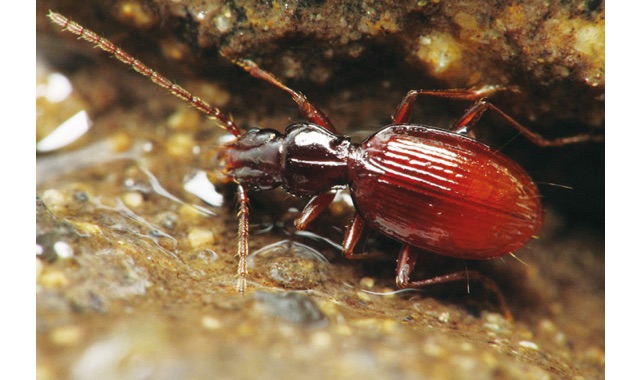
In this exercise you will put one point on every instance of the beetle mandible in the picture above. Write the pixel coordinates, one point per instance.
(444, 191)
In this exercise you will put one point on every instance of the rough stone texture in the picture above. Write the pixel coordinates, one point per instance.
(553, 51)
(136, 275)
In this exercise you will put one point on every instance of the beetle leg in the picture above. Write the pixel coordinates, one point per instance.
(405, 109)
(407, 261)
(473, 114)
(315, 207)
(310, 112)
(351, 237)
(243, 238)
(469, 119)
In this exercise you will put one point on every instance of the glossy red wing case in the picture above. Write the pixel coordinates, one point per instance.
(443, 192)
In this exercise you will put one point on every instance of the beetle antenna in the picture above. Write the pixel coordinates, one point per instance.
(124, 57)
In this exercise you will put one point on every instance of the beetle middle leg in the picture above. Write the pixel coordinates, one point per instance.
(407, 261)
(351, 237)
(315, 207)
(405, 109)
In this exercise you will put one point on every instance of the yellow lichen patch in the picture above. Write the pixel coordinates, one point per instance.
(189, 212)
(440, 53)
(135, 12)
(327, 307)
(53, 279)
(469, 29)
(185, 119)
(54, 199)
(584, 40)
(364, 296)
(180, 145)
(133, 199)
(385, 23)
(590, 42)
(211, 92)
(199, 237)
(590, 39)
(367, 282)
(224, 21)
(513, 17)
(174, 50)
(66, 335)
(389, 326)
(321, 339)
(120, 141)
(87, 228)
(210, 323)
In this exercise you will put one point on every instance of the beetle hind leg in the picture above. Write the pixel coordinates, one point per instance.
(407, 260)
(471, 116)
(465, 124)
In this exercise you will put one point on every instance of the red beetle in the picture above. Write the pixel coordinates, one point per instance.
(442, 191)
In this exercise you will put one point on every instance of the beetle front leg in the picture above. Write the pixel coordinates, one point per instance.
(351, 237)
(315, 207)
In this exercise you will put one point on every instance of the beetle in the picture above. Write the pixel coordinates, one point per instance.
(443, 191)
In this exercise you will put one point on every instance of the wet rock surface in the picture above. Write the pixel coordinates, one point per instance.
(136, 269)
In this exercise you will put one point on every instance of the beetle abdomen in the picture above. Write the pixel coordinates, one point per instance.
(439, 191)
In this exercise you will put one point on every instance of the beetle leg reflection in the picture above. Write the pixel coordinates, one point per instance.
(407, 261)
(315, 207)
